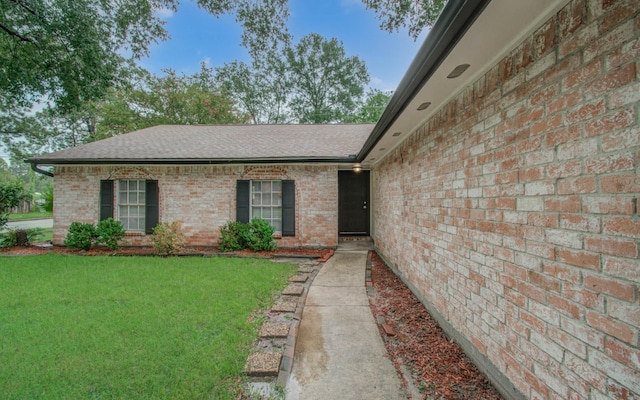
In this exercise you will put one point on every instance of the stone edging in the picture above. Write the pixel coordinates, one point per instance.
(271, 361)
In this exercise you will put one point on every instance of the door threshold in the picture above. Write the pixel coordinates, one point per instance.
(354, 238)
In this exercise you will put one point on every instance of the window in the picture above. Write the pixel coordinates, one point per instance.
(137, 203)
(266, 202)
(131, 204)
(272, 200)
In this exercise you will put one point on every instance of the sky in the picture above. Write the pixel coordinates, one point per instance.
(197, 36)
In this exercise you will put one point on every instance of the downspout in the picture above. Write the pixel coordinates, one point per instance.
(34, 167)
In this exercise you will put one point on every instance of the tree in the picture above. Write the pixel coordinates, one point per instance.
(11, 194)
(170, 99)
(261, 92)
(413, 14)
(371, 108)
(5, 172)
(48, 130)
(70, 52)
(325, 84)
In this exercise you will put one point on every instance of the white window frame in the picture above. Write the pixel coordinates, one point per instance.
(274, 206)
(140, 204)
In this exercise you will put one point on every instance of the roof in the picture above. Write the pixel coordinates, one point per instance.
(220, 144)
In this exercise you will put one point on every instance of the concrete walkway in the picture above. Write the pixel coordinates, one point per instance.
(339, 352)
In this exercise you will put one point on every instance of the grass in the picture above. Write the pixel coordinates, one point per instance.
(31, 215)
(47, 234)
(129, 327)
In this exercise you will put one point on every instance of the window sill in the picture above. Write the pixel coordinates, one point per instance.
(134, 233)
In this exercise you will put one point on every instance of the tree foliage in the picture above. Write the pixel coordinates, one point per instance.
(411, 14)
(370, 110)
(313, 81)
(48, 130)
(260, 89)
(325, 83)
(147, 100)
(71, 51)
(11, 194)
(169, 99)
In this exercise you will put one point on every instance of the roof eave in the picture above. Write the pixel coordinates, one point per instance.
(453, 22)
(192, 161)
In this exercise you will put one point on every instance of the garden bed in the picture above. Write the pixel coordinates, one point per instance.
(43, 248)
(437, 367)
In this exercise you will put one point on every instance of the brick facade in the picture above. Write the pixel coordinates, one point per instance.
(203, 198)
(513, 211)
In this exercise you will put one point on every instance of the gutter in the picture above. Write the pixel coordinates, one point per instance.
(453, 22)
(183, 161)
(34, 167)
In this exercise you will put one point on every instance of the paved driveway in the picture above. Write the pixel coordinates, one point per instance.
(31, 223)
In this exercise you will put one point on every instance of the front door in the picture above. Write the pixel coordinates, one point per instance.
(353, 203)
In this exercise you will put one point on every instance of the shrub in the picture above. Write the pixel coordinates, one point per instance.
(259, 236)
(168, 238)
(232, 236)
(20, 237)
(81, 236)
(256, 235)
(47, 195)
(109, 232)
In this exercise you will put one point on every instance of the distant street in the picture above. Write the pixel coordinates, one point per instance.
(31, 223)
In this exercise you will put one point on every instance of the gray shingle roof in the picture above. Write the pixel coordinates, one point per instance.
(211, 143)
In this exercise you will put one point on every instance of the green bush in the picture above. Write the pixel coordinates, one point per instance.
(256, 235)
(259, 236)
(232, 236)
(168, 238)
(81, 236)
(47, 195)
(109, 232)
(20, 237)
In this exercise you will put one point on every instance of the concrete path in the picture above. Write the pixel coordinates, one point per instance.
(339, 352)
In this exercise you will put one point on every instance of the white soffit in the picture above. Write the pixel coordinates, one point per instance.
(499, 29)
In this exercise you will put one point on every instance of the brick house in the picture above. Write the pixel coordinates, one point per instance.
(205, 176)
(502, 182)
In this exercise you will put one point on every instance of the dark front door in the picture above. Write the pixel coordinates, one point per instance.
(353, 203)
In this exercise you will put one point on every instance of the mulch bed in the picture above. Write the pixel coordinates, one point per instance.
(150, 251)
(438, 366)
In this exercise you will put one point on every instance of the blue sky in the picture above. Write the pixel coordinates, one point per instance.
(197, 36)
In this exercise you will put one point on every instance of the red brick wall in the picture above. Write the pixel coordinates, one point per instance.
(514, 209)
(203, 198)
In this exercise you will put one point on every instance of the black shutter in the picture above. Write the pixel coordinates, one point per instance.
(106, 199)
(288, 208)
(152, 201)
(242, 201)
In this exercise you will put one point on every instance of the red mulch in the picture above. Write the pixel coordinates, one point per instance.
(439, 367)
(321, 254)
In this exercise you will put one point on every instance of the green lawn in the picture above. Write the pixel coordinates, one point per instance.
(129, 327)
(31, 215)
(47, 234)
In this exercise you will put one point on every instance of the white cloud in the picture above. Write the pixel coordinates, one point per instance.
(378, 83)
(164, 13)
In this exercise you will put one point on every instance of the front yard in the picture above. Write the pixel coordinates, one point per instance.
(130, 327)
